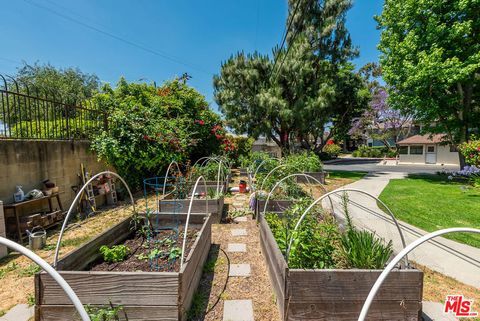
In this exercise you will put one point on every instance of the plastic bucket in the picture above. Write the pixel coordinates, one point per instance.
(242, 187)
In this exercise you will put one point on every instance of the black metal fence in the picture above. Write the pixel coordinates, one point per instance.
(28, 113)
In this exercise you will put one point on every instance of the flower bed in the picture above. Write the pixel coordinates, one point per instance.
(311, 286)
(142, 295)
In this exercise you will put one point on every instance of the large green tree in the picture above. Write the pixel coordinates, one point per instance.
(431, 62)
(68, 85)
(309, 84)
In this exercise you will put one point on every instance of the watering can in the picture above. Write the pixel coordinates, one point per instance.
(37, 239)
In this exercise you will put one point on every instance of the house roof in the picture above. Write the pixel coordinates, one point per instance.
(423, 139)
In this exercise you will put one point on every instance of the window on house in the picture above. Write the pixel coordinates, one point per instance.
(430, 149)
(416, 150)
(403, 150)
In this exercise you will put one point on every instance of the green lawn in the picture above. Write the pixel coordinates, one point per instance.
(432, 203)
(355, 176)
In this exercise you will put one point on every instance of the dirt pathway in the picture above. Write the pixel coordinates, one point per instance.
(229, 298)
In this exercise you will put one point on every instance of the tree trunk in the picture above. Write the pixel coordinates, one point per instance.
(462, 160)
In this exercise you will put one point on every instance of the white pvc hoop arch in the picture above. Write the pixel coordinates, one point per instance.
(217, 158)
(206, 160)
(203, 159)
(296, 175)
(347, 190)
(184, 243)
(77, 197)
(200, 159)
(376, 286)
(166, 175)
(260, 165)
(51, 271)
(270, 173)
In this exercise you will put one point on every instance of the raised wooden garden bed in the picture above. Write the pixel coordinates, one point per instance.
(273, 206)
(318, 175)
(211, 185)
(199, 206)
(338, 295)
(143, 295)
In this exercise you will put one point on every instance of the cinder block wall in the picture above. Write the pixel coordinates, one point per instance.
(29, 162)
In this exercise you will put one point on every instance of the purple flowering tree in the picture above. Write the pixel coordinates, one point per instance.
(381, 122)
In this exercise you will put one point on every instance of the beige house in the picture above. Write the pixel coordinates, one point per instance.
(423, 149)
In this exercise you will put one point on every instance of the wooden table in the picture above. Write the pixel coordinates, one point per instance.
(14, 206)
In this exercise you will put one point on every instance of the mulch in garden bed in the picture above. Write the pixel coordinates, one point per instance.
(137, 259)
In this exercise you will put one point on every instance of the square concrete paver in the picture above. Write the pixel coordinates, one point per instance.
(20, 312)
(237, 247)
(238, 310)
(239, 232)
(240, 219)
(239, 270)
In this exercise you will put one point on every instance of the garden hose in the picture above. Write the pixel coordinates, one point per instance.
(224, 286)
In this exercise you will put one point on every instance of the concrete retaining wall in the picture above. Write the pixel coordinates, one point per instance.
(28, 162)
(3, 249)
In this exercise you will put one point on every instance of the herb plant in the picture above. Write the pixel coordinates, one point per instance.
(116, 253)
(105, 313)
(318, 243)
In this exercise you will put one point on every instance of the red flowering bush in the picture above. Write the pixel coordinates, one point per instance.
(471, 151)
(149, 127)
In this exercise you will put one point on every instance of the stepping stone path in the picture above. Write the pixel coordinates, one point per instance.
(239, 232)
(242, 270)
(237, 247)
(20, 312)
(240, 219)
(238, 310)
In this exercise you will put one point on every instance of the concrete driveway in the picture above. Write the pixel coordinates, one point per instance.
(375, 165)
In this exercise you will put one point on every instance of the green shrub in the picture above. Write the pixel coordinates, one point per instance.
(332, 151)
(304, 162)
(374, 152)
(116, 253)
(149, 127)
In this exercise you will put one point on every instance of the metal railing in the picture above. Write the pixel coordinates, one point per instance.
(29, 113)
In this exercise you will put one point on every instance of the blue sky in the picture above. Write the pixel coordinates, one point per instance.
(198, 34)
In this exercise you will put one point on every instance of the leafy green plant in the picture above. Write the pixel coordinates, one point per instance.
(30, 270)
(360, 248)
(332, 151)
(209, 171)
(304, 162)
(319, 244)
(105, 313)
(363, 250)
(314, 243)
(30, 299)
(116, 253)
(174, 253)
(139, 225)
(9, 268)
